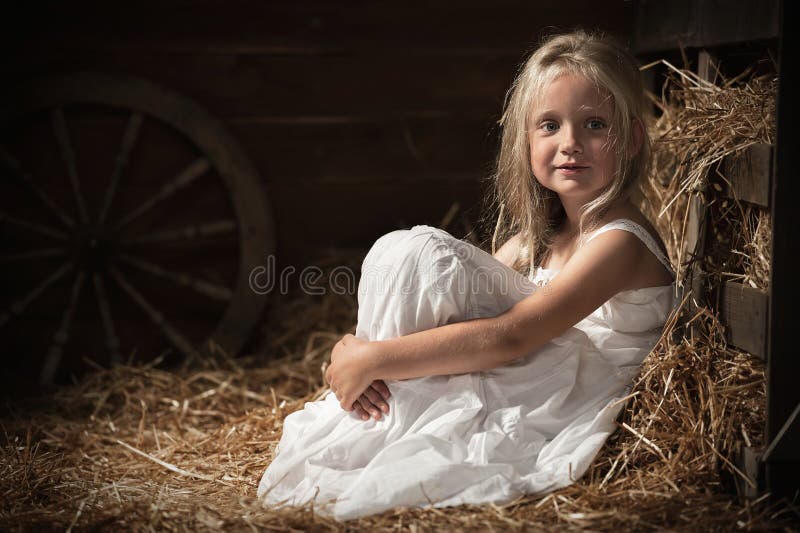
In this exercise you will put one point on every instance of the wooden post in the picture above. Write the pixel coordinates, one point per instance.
(782, 455)
(694, 240)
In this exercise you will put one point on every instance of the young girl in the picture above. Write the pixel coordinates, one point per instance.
(467, 381)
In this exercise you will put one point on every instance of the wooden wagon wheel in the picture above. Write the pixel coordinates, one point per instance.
(101, 247)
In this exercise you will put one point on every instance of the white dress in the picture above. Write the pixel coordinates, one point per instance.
(530, 427)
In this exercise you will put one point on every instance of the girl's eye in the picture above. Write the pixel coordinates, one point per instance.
(595, 124)
(549, 126)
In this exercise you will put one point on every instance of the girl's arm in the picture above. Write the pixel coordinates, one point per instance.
(605, 266)
(508, 252)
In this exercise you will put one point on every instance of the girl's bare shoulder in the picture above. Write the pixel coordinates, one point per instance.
(631, 212)
(652, 272)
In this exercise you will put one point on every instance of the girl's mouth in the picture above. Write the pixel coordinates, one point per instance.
(571, 169)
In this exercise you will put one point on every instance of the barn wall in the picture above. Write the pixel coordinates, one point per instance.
(360, 116)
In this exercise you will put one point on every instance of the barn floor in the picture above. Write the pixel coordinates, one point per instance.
(140, 447)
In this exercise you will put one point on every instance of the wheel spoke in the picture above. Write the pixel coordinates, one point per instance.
(128, 141)
(8, 161)
(61, 337)
(68, 155)
(32, 254)
(112, 343)
(20, 305)
(34, 227)
(196, 169)
(157, 318)
(188, 233)
(200, 286)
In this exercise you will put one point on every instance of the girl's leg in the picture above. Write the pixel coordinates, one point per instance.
(422, 278)
(411, 280)
(414, 280)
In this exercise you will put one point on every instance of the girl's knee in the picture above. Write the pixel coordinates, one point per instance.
(385, 243)
(442, 242)
(395, 245)
(413, 258)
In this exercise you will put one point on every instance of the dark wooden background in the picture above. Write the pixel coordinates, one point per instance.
(361, 117)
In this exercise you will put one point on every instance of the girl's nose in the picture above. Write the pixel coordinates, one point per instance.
(570, 144)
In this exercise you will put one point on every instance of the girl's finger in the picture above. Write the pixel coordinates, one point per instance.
(382, 389)
(361, 413)
(376, 399)
(369, 407)
(348, 401)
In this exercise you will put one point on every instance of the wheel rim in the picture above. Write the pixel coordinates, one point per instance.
(147, 101)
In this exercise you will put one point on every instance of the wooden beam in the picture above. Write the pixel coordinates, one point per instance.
(751, 465)
(694, 242)
(663, 25)
(290, 29)
(749, 175)
(744, 313)
(786, 443)
(783, 365)
(279, 88)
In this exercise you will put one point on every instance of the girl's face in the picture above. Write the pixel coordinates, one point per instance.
(569, 141)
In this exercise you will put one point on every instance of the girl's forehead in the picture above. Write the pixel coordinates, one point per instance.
(571, 91)
(575, 86)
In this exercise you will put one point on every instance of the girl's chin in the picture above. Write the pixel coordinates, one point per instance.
(583, 194)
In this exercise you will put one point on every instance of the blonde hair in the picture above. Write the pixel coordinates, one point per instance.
(524, 205)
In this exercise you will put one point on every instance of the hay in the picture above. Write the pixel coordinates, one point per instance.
(701, 123)
(138, 447)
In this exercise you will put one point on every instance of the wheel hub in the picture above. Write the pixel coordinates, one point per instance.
(94, 248)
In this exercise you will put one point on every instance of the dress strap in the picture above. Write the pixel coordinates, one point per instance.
(639, 231)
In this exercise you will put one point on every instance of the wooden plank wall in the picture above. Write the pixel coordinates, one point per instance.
(360, 116)
(744, 309)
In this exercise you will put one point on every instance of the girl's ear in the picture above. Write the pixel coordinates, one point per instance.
(638, 137)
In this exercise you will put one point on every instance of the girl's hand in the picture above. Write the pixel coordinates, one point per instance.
(373, 401)
(350, 371)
